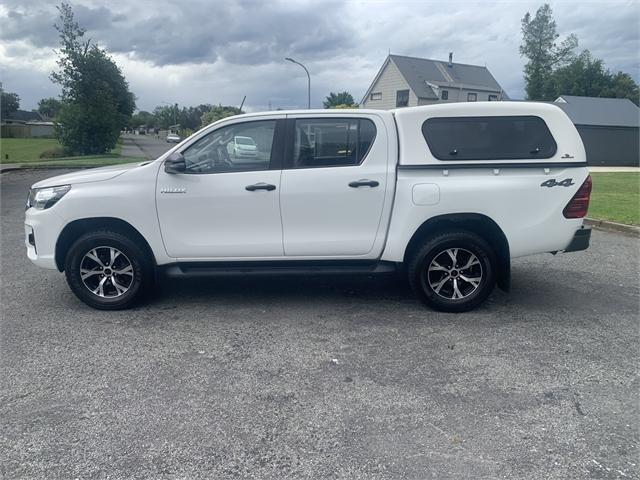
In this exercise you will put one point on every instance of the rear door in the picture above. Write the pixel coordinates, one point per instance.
(333, 185)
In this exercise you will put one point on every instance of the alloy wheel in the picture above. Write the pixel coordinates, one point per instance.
(106, 272)
(454, 273)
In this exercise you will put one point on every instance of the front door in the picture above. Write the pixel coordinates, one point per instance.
(333, 185)
(226, 204)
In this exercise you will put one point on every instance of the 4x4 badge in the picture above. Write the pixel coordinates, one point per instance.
(567, 182)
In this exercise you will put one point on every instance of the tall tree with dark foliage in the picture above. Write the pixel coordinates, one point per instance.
(49, 107)
(96, 101)
(587, 76)
(540, 46)
(9, 103)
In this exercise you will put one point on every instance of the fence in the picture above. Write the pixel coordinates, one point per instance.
(27, 130)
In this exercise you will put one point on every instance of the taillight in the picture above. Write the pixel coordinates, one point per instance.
(579, 204)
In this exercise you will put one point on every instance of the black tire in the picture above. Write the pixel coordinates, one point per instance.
(445, 275)
(100, 243)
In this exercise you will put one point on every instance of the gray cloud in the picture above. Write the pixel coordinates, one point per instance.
(35, 28)
(197, 51)
(166, 33)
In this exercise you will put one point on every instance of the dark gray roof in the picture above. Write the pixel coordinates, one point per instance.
(24, 116)
(418, 71)
(618, 112)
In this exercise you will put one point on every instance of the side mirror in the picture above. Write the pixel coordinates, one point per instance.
(175, 163)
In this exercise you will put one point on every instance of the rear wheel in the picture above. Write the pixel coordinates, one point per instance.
(108, 271)
(453, 271)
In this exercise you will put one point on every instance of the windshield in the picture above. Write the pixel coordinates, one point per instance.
(245, 141)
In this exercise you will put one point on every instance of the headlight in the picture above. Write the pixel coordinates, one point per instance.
(43, 198)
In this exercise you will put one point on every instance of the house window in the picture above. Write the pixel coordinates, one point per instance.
(402, 98)
(472, 97)
(493, 98)
(445, 95)
(376, 96)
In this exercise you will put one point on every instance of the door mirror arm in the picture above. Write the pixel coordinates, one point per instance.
(176, 163)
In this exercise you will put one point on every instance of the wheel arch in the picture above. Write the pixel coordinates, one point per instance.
(75, 229)
(473, 222)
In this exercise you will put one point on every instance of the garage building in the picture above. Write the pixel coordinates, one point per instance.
(609, 127)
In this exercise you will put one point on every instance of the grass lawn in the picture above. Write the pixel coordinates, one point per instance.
(25, 149)
(616, 197)
(28, 150)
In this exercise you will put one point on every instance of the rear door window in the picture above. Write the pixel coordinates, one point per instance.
(331, 142)
(489, 138)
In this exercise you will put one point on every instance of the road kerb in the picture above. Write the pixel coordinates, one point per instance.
(613, 226)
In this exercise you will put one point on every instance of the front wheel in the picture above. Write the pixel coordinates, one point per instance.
(108, 271)
(453, 271)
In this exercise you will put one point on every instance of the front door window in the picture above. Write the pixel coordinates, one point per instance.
(239, 147)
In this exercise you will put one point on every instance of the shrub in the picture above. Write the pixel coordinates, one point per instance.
(55, 152)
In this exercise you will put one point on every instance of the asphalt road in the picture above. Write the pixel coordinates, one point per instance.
(147, 146)
(321, 378)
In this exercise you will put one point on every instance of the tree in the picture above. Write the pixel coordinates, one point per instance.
(623, 86)
(49, 107)
(587, 76)
(9, 103)
(96, 101)
(143, 118)
(218, 112)
(191, 117)
(340, 100)
(539, 45)
(167, 115)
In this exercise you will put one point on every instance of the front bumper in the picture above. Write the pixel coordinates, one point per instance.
(42, 229)
(245, 154)
(580, 240)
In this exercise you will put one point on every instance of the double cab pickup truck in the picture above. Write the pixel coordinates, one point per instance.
(445, 194)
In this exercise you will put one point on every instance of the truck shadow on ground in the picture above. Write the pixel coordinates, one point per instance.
(531, 290)
(288, 288)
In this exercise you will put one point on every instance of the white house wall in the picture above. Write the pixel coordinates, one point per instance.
(388, 83)
(457, 95)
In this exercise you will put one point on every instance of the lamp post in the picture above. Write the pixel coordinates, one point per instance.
(308, 78)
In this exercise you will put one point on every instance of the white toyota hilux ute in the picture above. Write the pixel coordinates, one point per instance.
(447, 194)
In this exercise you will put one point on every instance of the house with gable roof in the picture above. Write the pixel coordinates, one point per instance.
(411, 81)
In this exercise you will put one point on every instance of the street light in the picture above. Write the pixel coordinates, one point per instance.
(308, 78)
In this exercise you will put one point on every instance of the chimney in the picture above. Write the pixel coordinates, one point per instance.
(450, 59)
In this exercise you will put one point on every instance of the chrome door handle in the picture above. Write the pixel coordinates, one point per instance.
(260, 186)
(364, 183)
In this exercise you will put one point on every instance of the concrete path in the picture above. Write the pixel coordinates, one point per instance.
(146, 146)
(9, 166)
(613, 169)
(130, 148)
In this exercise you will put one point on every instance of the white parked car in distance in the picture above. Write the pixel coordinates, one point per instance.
(447, 194)
(173, 138)
(242, 147)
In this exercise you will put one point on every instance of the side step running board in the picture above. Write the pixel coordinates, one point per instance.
(214, 269)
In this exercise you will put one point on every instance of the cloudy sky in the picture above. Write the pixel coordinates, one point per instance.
(197, 51)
